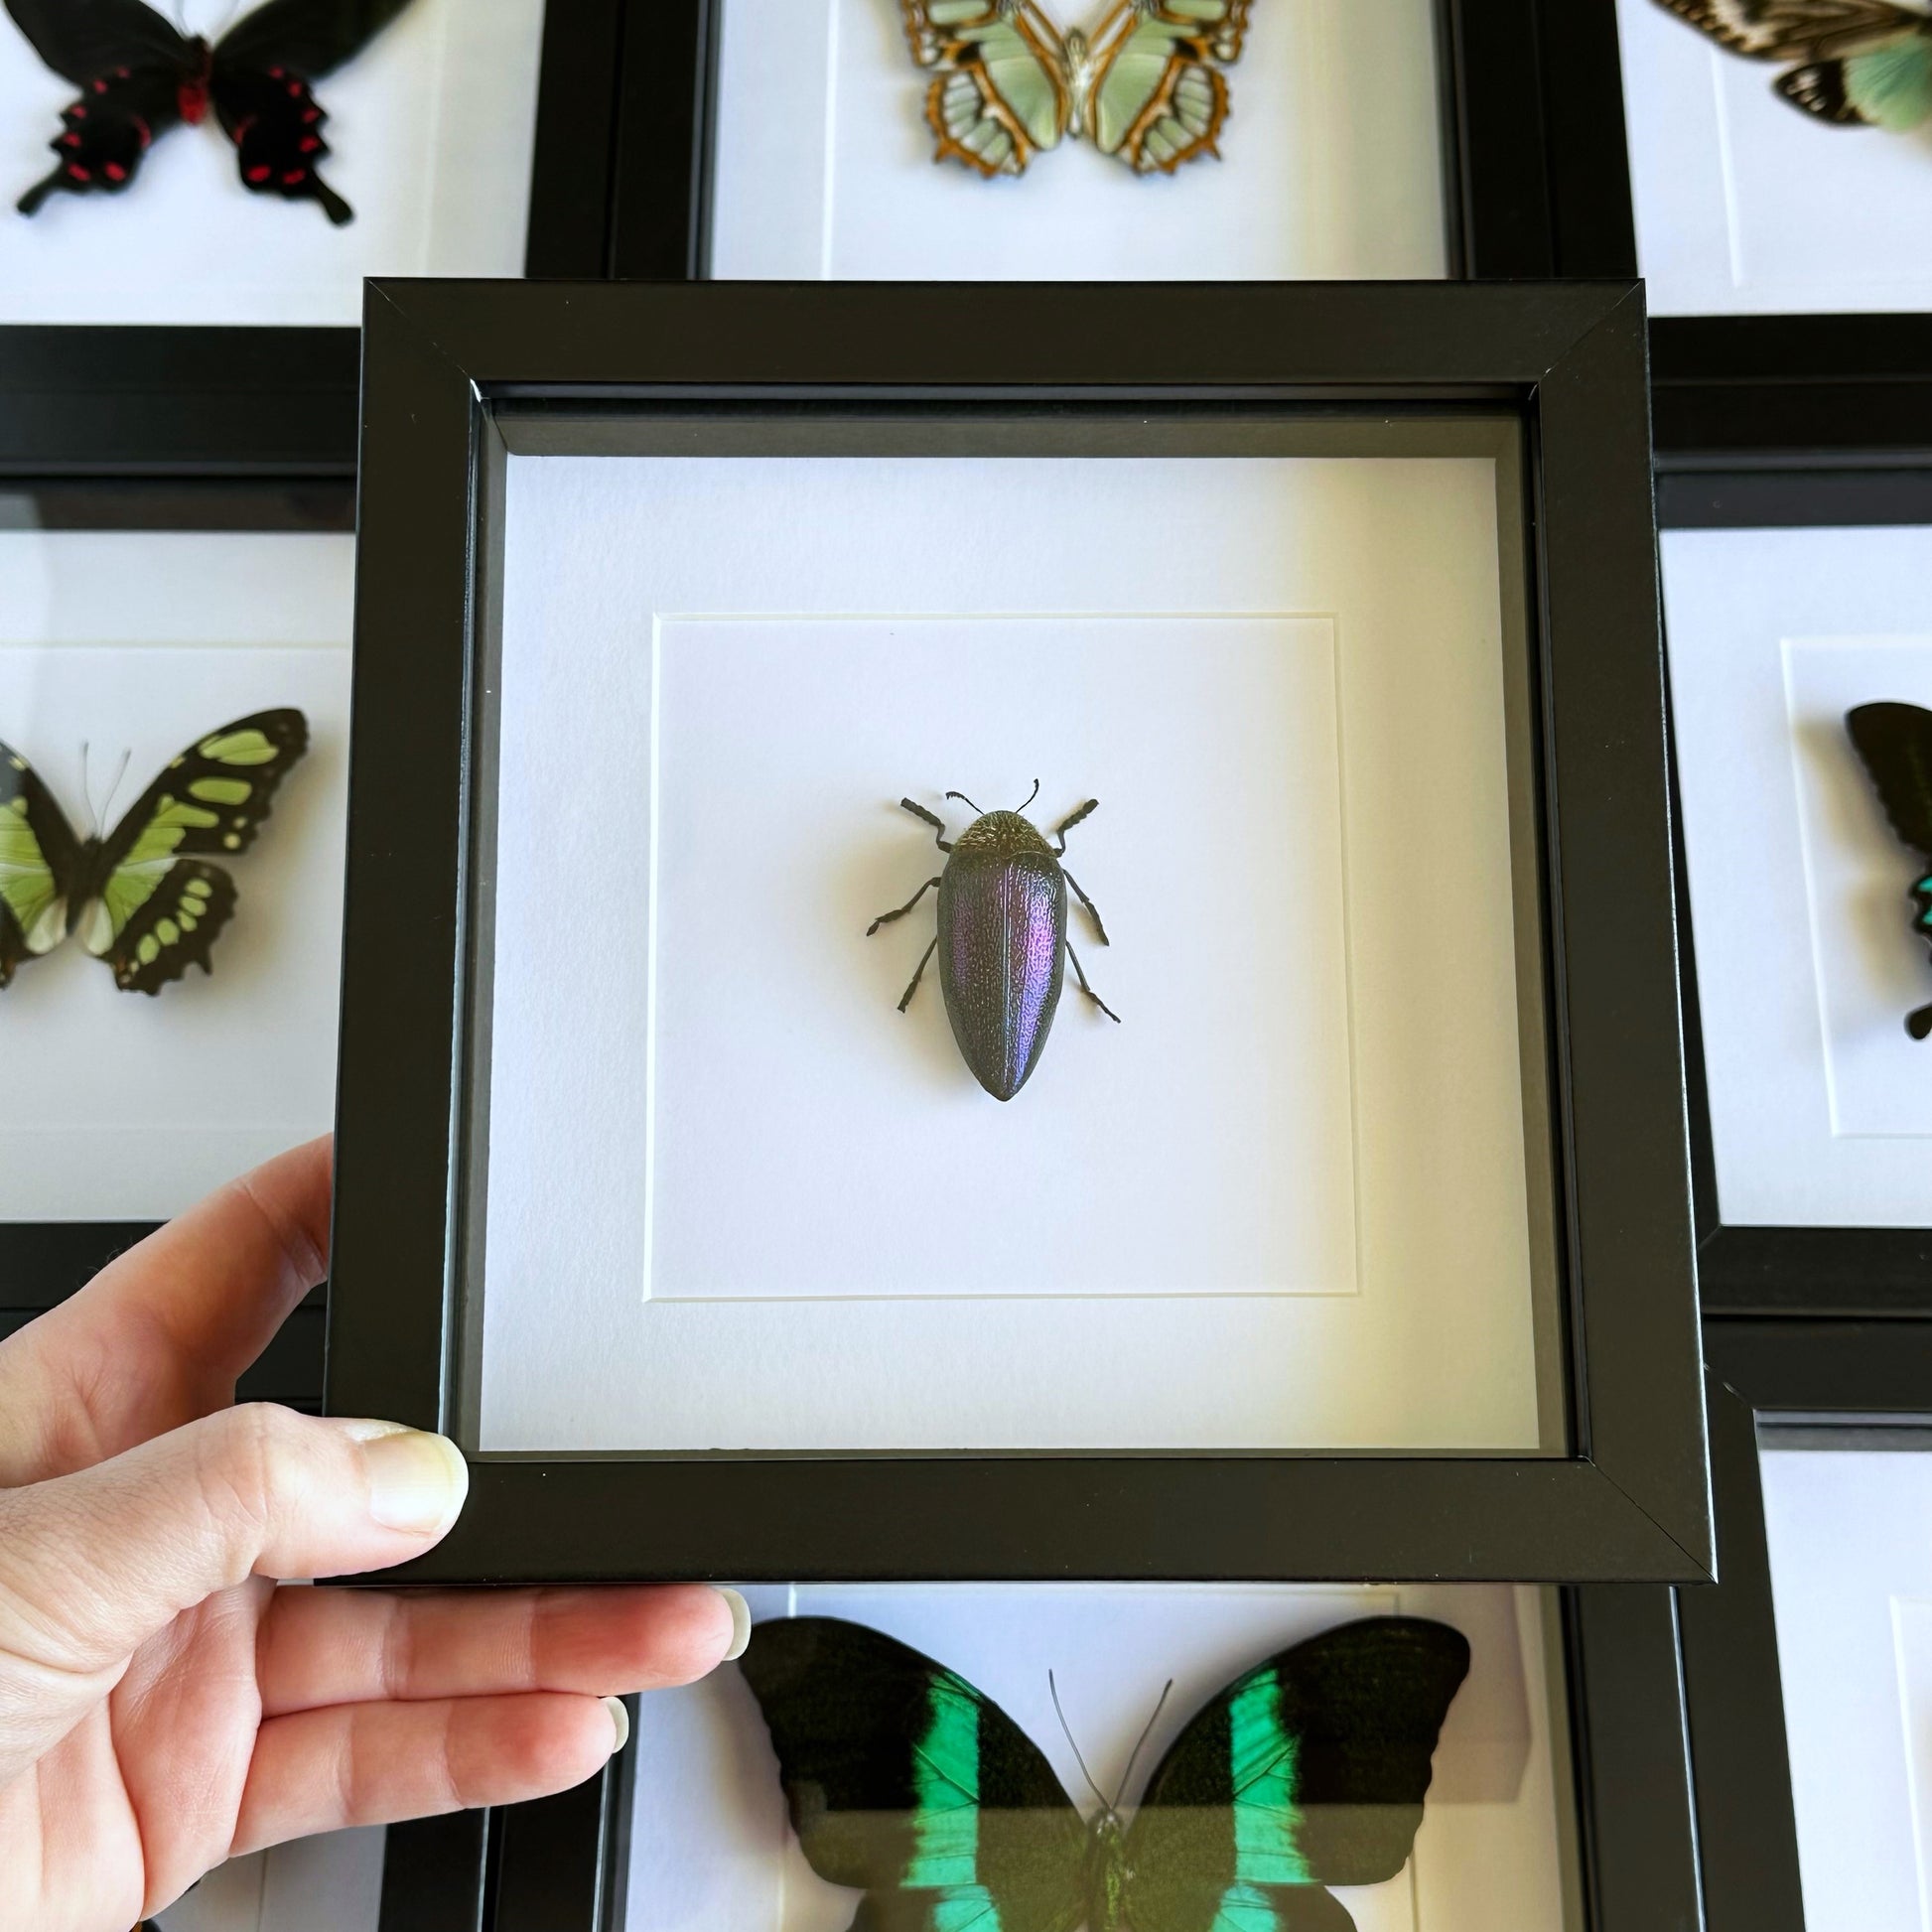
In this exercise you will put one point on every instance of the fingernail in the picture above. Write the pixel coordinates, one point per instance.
(740, 1622)
(416, 1481)
(621, 1717)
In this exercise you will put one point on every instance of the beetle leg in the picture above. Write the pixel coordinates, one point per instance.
(886, 919)
(1068, 823)
(938, 824)
(1079, 974)
(1093, 911)
(920, 974)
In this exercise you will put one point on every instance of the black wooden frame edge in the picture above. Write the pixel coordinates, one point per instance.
(1743, 1270)
(1497, 206)
(1633, 1504)
(1636, 1836)
(265, 400)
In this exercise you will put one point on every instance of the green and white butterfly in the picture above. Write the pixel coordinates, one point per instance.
(142, 896)
(1861, 62)
(909, 1785)
(1140, 87)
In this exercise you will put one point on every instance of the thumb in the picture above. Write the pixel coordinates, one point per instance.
(94, 1564)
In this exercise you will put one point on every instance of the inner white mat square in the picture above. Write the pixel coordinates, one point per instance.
(1331, 161)
(780, 1079)
(329, 1884)
(1295, 1171)
(431, 130)
(1800, 891)
(1850, 1542)
(1747, 206)
(710, 1843)
(125, 1106)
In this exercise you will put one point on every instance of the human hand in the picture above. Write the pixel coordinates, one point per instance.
(164, 1705)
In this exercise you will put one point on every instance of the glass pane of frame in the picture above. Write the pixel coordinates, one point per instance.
(1318, 1134)
(828, 116)
(430, 131)
(119, 650)
(1425, 1727)
(1789, 184)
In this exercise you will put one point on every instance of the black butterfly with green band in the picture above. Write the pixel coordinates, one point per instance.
(142, 898)
(906, 1783)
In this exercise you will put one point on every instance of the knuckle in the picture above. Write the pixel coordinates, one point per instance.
(246, 1464)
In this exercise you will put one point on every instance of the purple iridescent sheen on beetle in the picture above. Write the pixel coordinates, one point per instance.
(1002, 931)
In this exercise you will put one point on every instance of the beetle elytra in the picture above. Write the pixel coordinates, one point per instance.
(1002, 934)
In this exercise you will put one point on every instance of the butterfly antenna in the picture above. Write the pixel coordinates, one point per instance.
(1055, 1688)
(108, 803)
(1133, 1756)
(1031, 796)
(87, 795)
(964, 800)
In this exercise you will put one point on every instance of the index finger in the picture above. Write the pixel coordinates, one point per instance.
(160, 1334)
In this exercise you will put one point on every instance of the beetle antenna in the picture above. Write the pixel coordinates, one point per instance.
(963, 800)
(1031, 796)
(1133, 1756)
(1068, 1729)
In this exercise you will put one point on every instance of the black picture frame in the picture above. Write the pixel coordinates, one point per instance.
(1824, 1378)
(193, 401)
(457, 373)
(42, 1262)
(1733, 394)
(1789, 1271)
(564, 1865)
(1498, 201)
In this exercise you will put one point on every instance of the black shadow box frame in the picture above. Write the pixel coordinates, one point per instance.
(44, 1262)
(1498, 208)
(1731, 392)
(1789, 1271)
(560, 1864)
(458, 376)
(192, 400)
(1801, 1382)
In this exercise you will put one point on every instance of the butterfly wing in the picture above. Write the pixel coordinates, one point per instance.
(1888, 85)
(1154, 100)
(1001, 94)
(1308, 1771)
(904, 1781)
(130, 66)
(39, 855)
(263, 80)
(1795, 30)
(159, 908)
(1895, 743)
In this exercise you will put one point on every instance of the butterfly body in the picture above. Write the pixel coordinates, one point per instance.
(1143, 86)
(139, 76)
(144, 896)
(1858, 63)
(904, 1781)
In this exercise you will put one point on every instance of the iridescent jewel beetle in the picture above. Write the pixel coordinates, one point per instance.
(1002, 931)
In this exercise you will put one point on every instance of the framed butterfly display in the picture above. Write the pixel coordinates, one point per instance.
(1847, 63)
(1145, 86)
(140, 77)
(905, 1782)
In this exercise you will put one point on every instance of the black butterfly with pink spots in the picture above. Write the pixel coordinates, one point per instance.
(138, 75)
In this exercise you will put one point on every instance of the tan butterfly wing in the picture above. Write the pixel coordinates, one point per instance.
(1153, 97)
(1001, 93)
(1796, 29)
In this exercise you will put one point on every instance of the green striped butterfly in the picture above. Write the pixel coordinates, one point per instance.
(1140, 87)
(1895, 743)
(141, 898)
(1863, 63)
(905, 1782)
